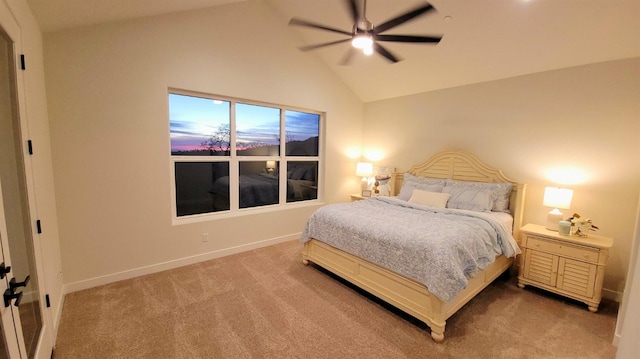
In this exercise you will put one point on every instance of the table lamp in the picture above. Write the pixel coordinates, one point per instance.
(271, 166)
(556, 198)
(364, 170)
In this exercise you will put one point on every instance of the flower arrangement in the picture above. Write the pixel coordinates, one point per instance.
(581, 226)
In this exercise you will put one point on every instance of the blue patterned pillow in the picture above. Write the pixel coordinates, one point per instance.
(472, 199)
(501, 191)
(412, 182)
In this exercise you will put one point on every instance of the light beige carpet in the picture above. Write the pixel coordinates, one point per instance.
(266, 304)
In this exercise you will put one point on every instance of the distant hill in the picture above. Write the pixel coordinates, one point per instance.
(308, 147)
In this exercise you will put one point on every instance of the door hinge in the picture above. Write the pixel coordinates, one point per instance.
(23, 65)
(46, 299)
(38, 227)
(30, 146)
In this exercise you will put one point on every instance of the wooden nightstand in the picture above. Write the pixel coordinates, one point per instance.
(567, 265)
(357, 197)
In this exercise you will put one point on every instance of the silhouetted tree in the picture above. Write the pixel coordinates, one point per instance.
(219, 140)
(288, 137)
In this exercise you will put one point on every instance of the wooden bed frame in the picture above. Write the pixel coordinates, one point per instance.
(405, 293)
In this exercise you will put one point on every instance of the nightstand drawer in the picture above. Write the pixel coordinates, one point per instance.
(564, 249)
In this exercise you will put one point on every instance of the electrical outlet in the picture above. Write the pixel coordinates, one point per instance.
(205, 237)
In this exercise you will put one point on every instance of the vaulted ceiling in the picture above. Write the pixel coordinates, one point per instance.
(481, 40)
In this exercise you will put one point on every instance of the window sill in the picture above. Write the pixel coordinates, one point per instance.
(204, 217)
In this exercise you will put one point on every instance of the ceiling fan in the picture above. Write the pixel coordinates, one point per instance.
(367, 37)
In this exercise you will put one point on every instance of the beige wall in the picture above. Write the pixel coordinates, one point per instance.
(107, 97)
(629, 311)
(586, 118)
(107, 89)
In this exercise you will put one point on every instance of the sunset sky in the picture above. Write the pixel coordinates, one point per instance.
(194, 119)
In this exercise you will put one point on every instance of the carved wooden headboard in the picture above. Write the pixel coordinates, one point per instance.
(463, 166)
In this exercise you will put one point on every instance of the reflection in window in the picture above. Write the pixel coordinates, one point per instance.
(258, 185)
(302, 180)
(201, 187)
(266, 155)
(302, 131)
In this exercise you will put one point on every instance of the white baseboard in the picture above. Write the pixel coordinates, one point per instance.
(616, 339)
(30, 296)
(611, 295)
(159, 267)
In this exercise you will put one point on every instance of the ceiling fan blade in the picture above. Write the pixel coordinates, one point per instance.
(384, 52)
(348, 56)
(403, 18)
(300, 22)
(353, 10)
(316, 46)
(407, 38)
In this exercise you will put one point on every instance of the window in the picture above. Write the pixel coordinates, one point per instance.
(229, 155)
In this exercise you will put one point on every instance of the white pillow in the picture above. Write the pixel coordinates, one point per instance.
(431, 199)
(412, 182)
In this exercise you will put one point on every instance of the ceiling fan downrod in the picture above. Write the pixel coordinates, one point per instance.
(363, 24)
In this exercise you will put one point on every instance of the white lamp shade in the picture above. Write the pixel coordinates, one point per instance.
(557, 197)
(271, 165)
(364, 169)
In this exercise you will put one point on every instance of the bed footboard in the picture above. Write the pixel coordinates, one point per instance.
(406, 294)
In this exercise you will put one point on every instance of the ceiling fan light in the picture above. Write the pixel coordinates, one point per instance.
(362, 41)
(368, 50)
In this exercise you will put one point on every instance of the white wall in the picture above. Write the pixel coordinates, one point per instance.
(584, 117)
(629, 314)
(107, 87)
(107, 97)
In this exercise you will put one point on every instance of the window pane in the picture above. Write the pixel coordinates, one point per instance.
(302, 131)
(199, 126)
(257, 130)
(259, 185)
(201, 187)
(302, 180)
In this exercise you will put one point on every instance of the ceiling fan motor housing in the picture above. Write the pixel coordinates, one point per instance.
(364, 36)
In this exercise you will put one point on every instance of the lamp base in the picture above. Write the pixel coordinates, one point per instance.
(553, 220)
(364, 184)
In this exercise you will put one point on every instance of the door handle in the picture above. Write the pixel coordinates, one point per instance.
(9, 295)
(4, 270)
(13, 284)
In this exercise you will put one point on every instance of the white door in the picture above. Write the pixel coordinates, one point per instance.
(21, 306)
(10, 346)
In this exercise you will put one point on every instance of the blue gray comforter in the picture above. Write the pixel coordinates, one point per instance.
(440, 248)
